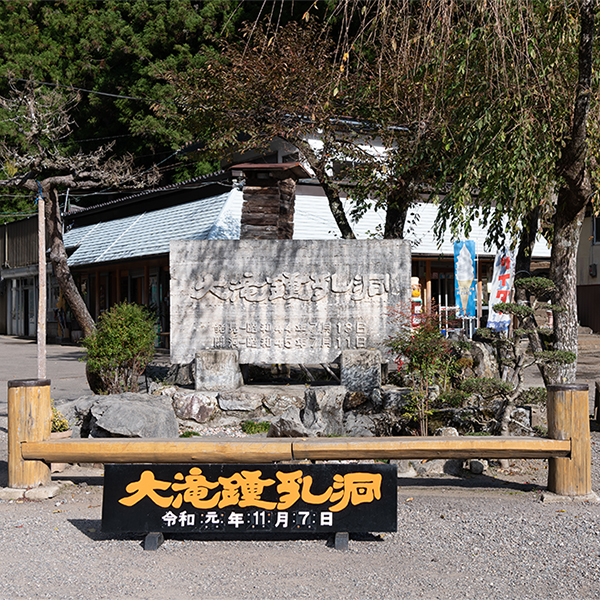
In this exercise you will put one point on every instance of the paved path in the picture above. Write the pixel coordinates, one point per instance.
(18, 360)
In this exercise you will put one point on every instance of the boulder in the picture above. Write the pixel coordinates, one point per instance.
(324, 411)
(132, 415)
(438, 466)
(238, 400)
(477, 466)
(354, 399)
(446, 432)
(405, 468)
(218, 370)
(360, 370)
(181, 374)
(289, 424)
(278, 403)
(358, 425)
(395, 399)
(484, 359)
(196, 406)
(520, 422)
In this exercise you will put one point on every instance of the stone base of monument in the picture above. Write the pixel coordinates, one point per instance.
(218, 370)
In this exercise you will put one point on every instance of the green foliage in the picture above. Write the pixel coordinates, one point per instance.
(252, 427)
(534, 395)
(538, 286)
(115, 48)
(557, 357)
(189, 433)
(121, 347)
(519, 310)
(59, 423)
(426, 357)
(486, 386)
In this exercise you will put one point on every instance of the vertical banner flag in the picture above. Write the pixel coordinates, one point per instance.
(502, 282)
(465, 281)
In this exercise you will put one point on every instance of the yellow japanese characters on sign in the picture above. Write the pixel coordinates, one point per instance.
(245, 489)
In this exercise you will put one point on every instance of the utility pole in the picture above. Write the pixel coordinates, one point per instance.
(41, 320)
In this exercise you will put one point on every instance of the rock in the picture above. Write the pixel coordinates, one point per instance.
(181, 374)
(520, 422)
(278, 403)
(446, 432)
(395, 398)
(237, 400)
(197, 406)
(43, 492)
(354, 399)
(289, 424)
(484, 359)
(377, 399)
(357, 425)
(477, 467)
(218, 370)
(11, 493)
(360, 370)
(439, 466)
(132, 415)
(168, 391)
(430, 467)
(77, 411)
(405, 468)
(324, 412)
(154, 388)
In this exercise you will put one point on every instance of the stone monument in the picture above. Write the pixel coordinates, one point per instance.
(285, 301)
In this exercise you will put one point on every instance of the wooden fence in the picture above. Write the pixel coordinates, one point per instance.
(30, 449)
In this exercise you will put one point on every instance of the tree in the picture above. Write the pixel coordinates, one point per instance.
(270, 85)
(522, 136)
(112, 49)
(508, 120)
(33, 122)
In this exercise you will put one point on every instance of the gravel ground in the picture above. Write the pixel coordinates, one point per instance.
(485, 536)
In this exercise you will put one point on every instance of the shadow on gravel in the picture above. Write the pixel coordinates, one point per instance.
(92, 529)
(482, 482)
(79, 479)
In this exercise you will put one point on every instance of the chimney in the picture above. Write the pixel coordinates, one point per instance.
(269, 197)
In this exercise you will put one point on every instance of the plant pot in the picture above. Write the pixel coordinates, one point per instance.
(59, 435)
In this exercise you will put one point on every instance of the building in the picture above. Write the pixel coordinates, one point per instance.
(119, 250)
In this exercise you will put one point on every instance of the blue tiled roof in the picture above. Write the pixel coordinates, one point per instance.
(145, 234)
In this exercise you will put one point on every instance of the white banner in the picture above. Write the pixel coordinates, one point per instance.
(502, 283)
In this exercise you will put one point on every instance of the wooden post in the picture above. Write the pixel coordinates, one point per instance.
(41, 316)
(29, 419)
(568, 418)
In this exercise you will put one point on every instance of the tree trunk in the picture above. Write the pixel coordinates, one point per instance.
(563, 272)
(398, 203)
(337, 210)
(58, 257)
(522, 269)
(318, 165)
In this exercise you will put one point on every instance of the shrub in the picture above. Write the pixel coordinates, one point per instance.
(120, 348)
(59, 423)
(426, 357)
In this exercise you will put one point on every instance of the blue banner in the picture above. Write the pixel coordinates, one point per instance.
(465, 278)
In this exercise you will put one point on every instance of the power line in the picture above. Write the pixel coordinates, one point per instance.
(108, 94)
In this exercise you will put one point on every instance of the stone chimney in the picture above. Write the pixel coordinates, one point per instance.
(269, 197)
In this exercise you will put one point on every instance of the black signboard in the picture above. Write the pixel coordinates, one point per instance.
(302, 498)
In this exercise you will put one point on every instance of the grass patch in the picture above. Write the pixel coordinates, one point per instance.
(189, 434)
(251, 427)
